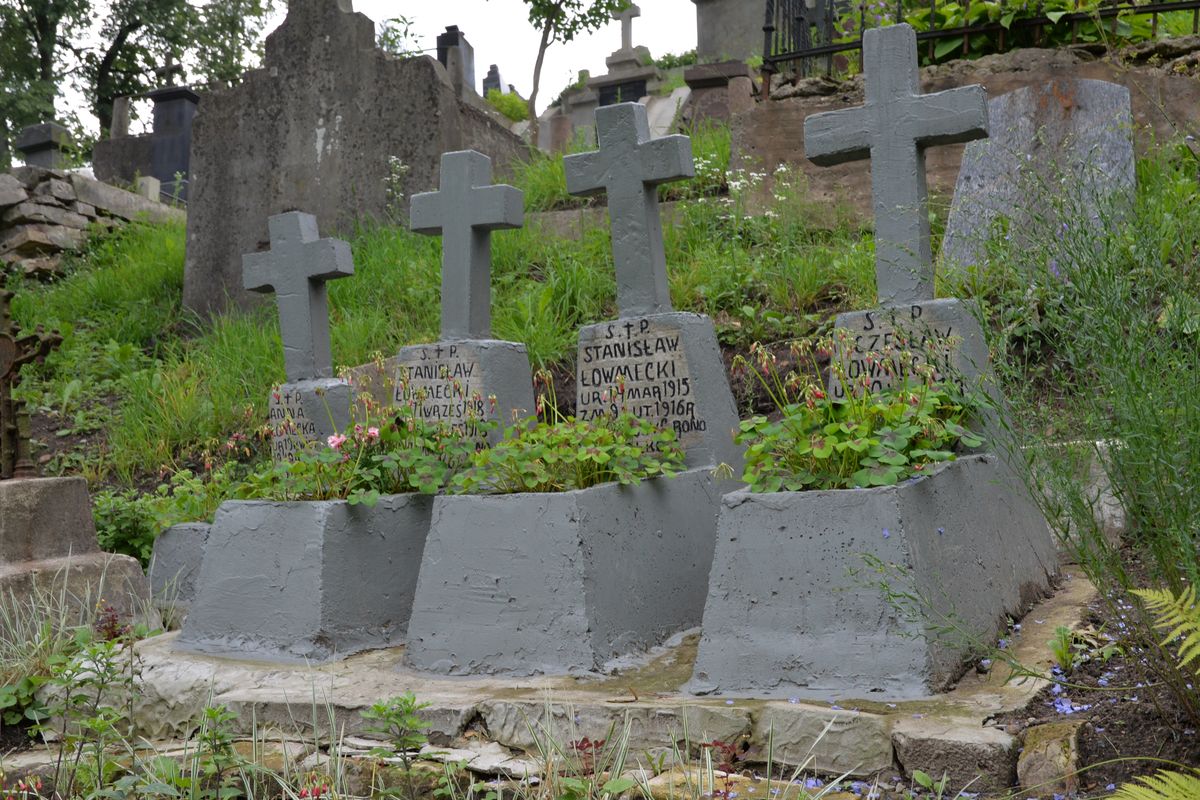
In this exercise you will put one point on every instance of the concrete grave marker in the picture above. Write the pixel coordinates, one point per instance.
(1073, 129)
(965, 537)
(312, 404)
(455, 379)
(668, 363)
(893, 129)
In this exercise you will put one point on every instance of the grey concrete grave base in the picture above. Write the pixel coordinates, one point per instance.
(307, 581)
(175, 564)
(706, 434)
(48, 549)
(553, 583)
(325, 403)
(795, 608)
(487, 367)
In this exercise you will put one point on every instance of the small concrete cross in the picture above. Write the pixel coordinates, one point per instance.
(296, 269)
(626, 19)
(465, 210)
(893, 129)
(629, 166)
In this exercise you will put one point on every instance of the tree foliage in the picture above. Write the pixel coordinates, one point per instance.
(105, 50)
(562, 21)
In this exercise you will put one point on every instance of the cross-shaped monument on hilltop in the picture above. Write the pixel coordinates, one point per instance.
(893, 129)
(296, 269)
(465, 210)
(626, 19)
(629, 166)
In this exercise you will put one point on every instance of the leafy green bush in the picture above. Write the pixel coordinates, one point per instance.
(674, 61)
(509, 104)
(867, 439)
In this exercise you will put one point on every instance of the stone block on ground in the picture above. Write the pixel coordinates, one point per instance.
(973, 757)
(796, 605)
(12, 191)
(1049, 760)
(120, 203)
(45, 518)
(830, 741)
(307, 581)
(555, 583)
(175, 564)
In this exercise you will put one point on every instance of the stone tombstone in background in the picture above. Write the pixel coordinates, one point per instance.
(467, 376)
(1068, 142)
(317, 128)
(311, 405)
(893, 129)
(44, 145)
(662, 365)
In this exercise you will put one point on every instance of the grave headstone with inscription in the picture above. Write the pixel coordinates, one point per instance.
(467, 376)
(964, 538)
(660, 364)
(893, 129)
(311, 405)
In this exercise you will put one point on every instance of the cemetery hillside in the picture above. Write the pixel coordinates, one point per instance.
(814, 415)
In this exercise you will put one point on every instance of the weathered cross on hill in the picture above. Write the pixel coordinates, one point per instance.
(465, 210)
(296, 269)
(893, 129)
(626, 19)
(15, 352)
(629, 166)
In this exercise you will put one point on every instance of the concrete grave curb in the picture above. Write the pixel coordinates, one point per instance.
(804, 584)
(554, 583)
(307, 580)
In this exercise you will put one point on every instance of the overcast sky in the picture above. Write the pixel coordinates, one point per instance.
(500, 32)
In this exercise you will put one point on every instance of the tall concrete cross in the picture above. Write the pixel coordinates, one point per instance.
(465, 210)
(296, 269)
(629, 166)
(626, 19)
(893, 129)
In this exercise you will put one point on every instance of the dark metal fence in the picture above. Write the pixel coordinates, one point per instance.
(808, 36)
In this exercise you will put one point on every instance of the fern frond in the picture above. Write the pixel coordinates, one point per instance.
(1180, 615)
(1162, 786)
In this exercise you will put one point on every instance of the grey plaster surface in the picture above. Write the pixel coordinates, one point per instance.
(175, 563)
(629, 166)
(307, 581)
(321, 126)
(43, 518)
(305, 412)
(1061, 150)
(893, 129)
(465, 211)
(296, 269)
(673, 375)
(728, 29)
(454, 381)
(556, 583)
(795, 609)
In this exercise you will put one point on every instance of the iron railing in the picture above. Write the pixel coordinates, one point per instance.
(807, 36)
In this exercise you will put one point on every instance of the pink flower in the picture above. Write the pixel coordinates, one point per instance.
(336, 441)
(372, 434)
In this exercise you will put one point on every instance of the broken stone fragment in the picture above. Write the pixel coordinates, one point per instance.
(37, 212)
(34, 239)
(12, 191)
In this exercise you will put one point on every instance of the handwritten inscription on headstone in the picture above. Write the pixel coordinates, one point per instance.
(639, 365)
(444, 383)
(292, 430)
(888, 346)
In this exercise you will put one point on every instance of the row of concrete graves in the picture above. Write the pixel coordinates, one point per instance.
(563, 583)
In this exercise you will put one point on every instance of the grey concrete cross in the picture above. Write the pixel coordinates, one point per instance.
(893, 129)
(629, 166)
(626, 19)
(466, 210)
(296, 269)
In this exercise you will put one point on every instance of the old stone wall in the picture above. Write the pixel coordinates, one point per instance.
(45, 212)
(314, 130)
(1160, 76)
